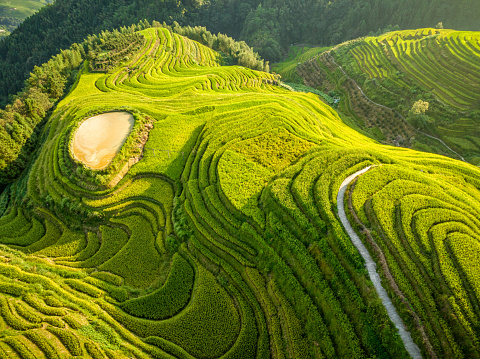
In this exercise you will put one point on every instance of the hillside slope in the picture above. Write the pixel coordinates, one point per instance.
(270, 26)
(214, 231)
(406, 86)
(12, 13)
(22, 120)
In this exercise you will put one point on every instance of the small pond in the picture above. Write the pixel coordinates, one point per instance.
(99, 138)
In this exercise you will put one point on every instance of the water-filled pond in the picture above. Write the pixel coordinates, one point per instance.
(99, 138)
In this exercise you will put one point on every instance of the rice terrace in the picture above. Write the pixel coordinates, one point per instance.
(178, 206)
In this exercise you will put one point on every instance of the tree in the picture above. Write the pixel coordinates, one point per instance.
(419, 107)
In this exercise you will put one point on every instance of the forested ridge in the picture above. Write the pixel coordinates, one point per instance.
(270, 26)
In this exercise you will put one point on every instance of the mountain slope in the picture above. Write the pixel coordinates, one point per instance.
(12, 13)
(405, 87)
(22, 121)
(214, 231)
(270, 26)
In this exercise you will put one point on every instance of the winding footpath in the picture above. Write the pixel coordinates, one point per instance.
(391, 109)
(410, 346)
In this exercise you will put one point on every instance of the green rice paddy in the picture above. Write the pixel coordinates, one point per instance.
(214, 233)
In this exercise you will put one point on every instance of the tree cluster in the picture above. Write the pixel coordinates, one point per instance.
(233, 52)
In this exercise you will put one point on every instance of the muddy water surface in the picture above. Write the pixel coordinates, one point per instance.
(99, 138)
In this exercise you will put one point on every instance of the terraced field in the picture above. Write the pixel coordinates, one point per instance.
(445, 62)
(425, 230)
(214, 232)
(396, 70)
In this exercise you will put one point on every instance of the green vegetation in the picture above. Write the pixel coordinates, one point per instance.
(214, 231)
(406, 86)
(296, 56)
(13, 12)
(302, 88)
(424, 227)
(429, 58)
(21, 121)
(170, 298)
(270, 26)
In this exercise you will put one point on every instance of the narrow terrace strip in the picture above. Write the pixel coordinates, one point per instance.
(410, 346)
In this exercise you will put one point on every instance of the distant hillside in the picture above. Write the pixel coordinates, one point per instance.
(403, 87)
(215, 230)
(13, 12)
(270, 26)
(277, 24)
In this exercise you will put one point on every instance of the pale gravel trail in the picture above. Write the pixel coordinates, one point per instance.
(410, 346)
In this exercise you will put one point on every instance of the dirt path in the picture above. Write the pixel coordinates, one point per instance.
(410, 346)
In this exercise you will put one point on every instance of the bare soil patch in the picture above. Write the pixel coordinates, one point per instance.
(99, 138)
